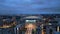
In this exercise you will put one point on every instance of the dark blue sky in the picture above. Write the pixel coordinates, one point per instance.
(29, 7)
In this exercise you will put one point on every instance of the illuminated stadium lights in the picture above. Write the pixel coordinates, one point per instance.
(30, 21)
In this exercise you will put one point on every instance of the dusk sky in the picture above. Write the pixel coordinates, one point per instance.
(29, 7)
